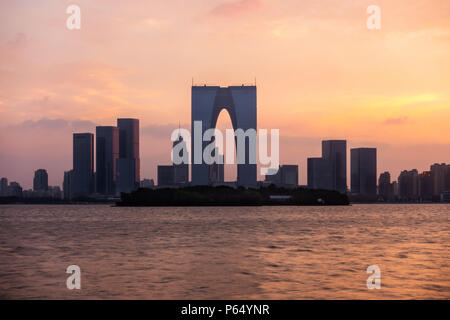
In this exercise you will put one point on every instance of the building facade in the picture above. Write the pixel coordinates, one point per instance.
(330, 171)
(128, 163)
(206, 104)
(363, 173)
(40, 180)
(408, 185)
(107, 153)
(83, 165)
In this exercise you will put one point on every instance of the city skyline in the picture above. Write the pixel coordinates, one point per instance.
(117, 169)
(116, 148)
(370, 91)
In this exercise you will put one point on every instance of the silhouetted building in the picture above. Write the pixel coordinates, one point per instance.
(408, 184)
(217, 172)
(206, 104)
(395, 188)
(286, 176)
(107, 154)
(385, 187)
(274, 177)
(54, 192)
(166, 176)
(67, 184)
(335, 152)
(83, 165)
(319, 174)
(3, 187)
(181, 171)
(330, 171)
(128, 164)
(147, 183)
(40, 181)
(289, 176)
(441, 178)
(14, 190)
(426, 186)
(363, 164)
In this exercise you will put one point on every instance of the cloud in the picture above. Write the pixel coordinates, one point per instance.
(54, 124)
(233, 8)
(396, 121)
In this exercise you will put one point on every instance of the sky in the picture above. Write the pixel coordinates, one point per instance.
(320, 74)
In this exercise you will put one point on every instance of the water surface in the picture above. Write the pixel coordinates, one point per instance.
(225, 252)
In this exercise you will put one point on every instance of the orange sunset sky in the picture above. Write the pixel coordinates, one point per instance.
(321, 74)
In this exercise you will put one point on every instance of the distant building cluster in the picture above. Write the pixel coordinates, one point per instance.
(41, 189)
(412, 186)
(117, 167)
(285, 177)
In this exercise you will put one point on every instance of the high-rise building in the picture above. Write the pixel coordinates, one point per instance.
(107, 152)
(181, 171)
(385, 187)
(3, 187)
(286, 176)
(67, 184)
(289, 176)
(14, 190)
(426, 186)
(319, 174)
(335, 152)
(165, 176)
(240, 102)
(408, 185)
(128, 164)
(330, 171)
(40, 181)
(217, 172)
(83, 165)
(363, 162)
(441, 182)
(274, 177)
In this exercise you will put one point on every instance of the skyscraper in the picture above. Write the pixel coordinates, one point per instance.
(335, 152)
(107, 152)
(408, 185)
(165, 176)
(426, 186)
(363, 171)
(440, 174)
(385, 187)
(128, 164)
(241, 104)
(181, 171)
(40, 181)
(289, 176)
(67, 184)
(83, 164)
(330, 171)
(3, 187)
(319, 174)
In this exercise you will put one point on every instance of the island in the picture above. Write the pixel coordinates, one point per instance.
(229, 196)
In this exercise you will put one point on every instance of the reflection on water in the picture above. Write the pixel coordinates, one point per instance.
(226, 252)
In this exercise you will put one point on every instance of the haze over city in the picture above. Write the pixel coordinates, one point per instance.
(386, 89)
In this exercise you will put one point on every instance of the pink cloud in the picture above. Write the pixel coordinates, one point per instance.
(232, 8)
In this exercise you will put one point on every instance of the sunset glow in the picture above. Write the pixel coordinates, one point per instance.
(320, 74)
